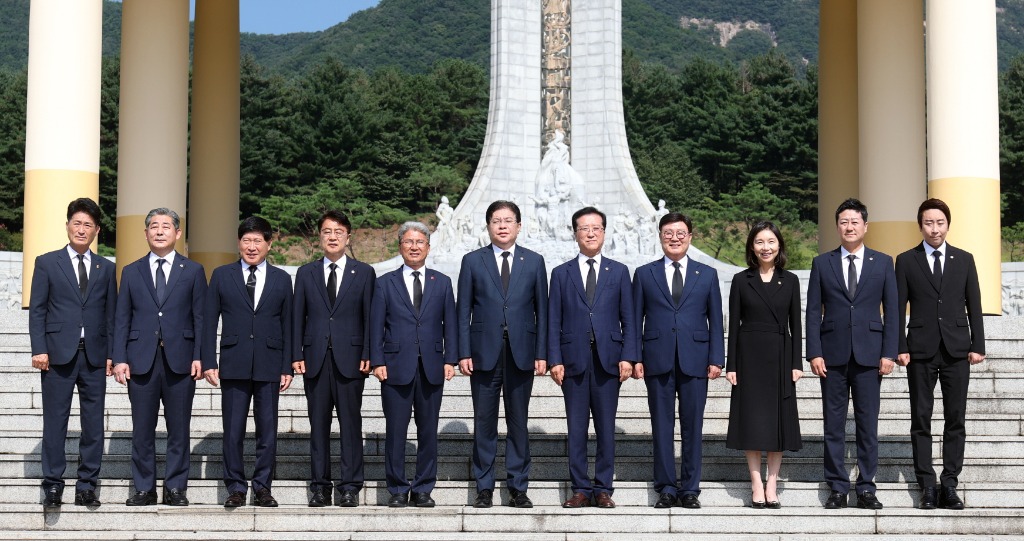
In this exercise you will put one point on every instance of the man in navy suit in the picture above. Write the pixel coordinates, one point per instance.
(944, 337)
(678, 307)
(503, 297)
(331, 344)
(851, 345)
(71, 322)
(253, 301)
(591, 351)
(412, 353)
(157, 340)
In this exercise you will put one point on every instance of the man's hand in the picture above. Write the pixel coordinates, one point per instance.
(625, 370)
(286, 381)
(818, 367)
(41, 362)
(540, 366)
(903, 359)
(714, 371)
(197, 370)
(638, 371)
(449, 372)
(212, 376)
(885, 366)
(299, 367)
(381, 373)
(558, 373)
(797, 374)
(110, 367)
(122, 373)
(731, 377)
(466, 366)
(975, 358)
(364, 366)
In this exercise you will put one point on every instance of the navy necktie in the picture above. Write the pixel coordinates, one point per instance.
(161, 280)
(937, 265)
(677, 283)
(851, 275)
(506, 273)
(250, 284)
(591, 282)
(417, 290)
(83, 277)
(332, 284)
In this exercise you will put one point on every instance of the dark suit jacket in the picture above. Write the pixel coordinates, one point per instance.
(255, 343)
(775, 311)
(57, 312)
(692, 332)
(399, 336)
(838, 326)
(140, 320)
(484, 309)
(344, 325)
(571, 320)
(950, 311)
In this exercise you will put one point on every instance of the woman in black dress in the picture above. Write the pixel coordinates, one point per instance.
(764, 360)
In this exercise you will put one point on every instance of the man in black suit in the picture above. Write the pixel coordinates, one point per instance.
(253, 301)
(503, 297)
(851, 345)
(157, 340)
(71, 320)
(331, 344)
(944, 337)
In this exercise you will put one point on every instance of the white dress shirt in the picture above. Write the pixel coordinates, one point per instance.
(169, 258)
(670, 271)
(585, 269)
(340, 272)
(407, 277)
(928, 250)
(261, 278)
(859, 263)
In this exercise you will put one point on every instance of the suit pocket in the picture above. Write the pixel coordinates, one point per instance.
(189, 334)
(962, 322)
(828, 326)
(439, 346)
(652, 334)
(616, 336)
(133, 335)
(228, 340)
(275, 343)
(565, 338)
(391, 347)
(701, 336)
(875, 326)
(54, 327)
(531, 328)
(914, 323)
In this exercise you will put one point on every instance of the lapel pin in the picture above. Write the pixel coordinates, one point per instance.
(606, 268)
(521, 258)
(431, 277)
(779, 282)
(952, 256)
(181, 265)
(696, 272)
(353, 271)
(871, 259)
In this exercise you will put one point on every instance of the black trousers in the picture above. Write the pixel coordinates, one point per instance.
(329, 394)
(953, 375)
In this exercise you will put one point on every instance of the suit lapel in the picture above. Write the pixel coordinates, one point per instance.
(67, 266)
(487, 260)
(517, 269)
(602, 279)
(238, 279)
(658, 274)
(147, 278)
(429, 289)
(174, 274)
(836, 262)
(754, 282)
(95, 275)
(577, 281)
(692, 278)
(268, 286)
(345, 275)
(398, 282)
(320, 283)
(921, 257)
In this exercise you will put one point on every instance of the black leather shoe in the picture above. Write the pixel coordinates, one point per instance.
(175, 497)
(264, 498)
(421, 499)
(235, 499)
(53, 496)
(140, 498)
(949, 500)
(927, 498)
(867, 500)
(484, 499)
(87, 498)
(518, 499)
(665, 500)
(836, 500)
(399, 500)
(689, 501)
(773, 505)
(321, 497)
(348, 498)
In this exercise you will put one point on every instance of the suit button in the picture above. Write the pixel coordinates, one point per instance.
(250, 337)
(940, 301)
(160, 314)
(332, 319)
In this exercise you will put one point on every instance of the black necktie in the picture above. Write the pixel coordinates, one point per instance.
(936, 267)
(591, 282)
(505, 272)
(83, 277)
(851, 275)
(417, 290)
(332, 284)
(677, 283)
(250, 284)
(161, 280)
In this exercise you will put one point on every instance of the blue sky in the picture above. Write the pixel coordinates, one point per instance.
(284, 16)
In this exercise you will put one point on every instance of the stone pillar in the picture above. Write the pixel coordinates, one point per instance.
(838, 154)
(152, 160)
(213, 190)
(963, 131)
(890, 83)
(62, 128)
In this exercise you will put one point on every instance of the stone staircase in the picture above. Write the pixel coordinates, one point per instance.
(993, 470)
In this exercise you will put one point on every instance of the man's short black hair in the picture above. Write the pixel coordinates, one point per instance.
(588, 210)
(674, 217)
(334, 216)
(500, 204)
(86, 205)
(255, 224)
(852, 204)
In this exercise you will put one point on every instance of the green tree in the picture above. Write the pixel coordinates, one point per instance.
(1011, 143)
(667, 173)
(13, 89)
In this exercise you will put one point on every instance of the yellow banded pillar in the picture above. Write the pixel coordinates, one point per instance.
(213, 190)
(891, 85)
(62, 127)
(963, 132)
(152, 161)
(837, 114)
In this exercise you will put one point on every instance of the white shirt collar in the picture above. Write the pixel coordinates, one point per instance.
(260, 269)
(682, 261)
(169, 258)
(859, 253)
(928, 250)
(74, 255)
(497, 251)
(341, 262)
